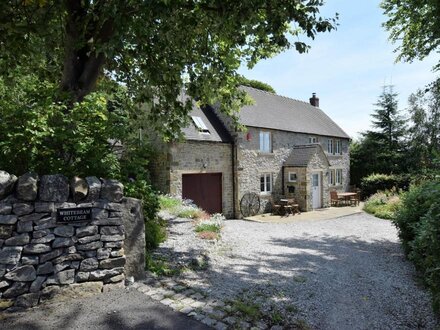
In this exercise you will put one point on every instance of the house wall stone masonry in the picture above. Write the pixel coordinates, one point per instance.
(251, 163)
(41, 258)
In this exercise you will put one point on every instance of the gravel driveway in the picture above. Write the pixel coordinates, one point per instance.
(344, 273)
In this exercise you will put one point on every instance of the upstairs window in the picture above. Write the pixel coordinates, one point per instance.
(313, 139)
(330, 146)
(338, 149)
(266, 183)
(200, 125)
(265, 142)
(292, 177)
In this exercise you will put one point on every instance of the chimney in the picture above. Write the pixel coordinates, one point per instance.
(314, 100)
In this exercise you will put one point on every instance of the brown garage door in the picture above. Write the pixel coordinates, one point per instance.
(205, 190)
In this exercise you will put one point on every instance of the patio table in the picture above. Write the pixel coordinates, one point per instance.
(346, 196)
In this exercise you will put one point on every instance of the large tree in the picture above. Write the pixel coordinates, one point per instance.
(155, 48)
(415, 24)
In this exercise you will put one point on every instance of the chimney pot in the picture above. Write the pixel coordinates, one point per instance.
(314, 100)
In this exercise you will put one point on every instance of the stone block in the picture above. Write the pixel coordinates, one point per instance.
(24, 226)
(7, 182)
(29, 260)
(112, 238)
(89, 264)
(28, 300)
(8, 219)
(21, 239)
(115, 279)
(48, 225)
(6, 231)
(45, 239)
(36, 248)
(54, 188)
(22, 208)
(25, 273)
(51, 255)
(6, 303)
(78, 189)
(75, 264)
(107, 222)
(103, 274)
(37, 284)
(116, 245)
(134, 243)
(112, 263)
(5, 208)
(44, 207)
(86, 231)
(27, 187)
(66, 276)
(89, 246)
(62, 242)
(82, 277)
(94, 189)
(117, 253)
(64, 231)
(88, 239)
(112, 190)
(10, 255)
(89, 253)
(112, 230)
(103, 253)
(16, 289)
(33, 216)
(40, 233)
(45, 268)
(68, 257)
(62, 266)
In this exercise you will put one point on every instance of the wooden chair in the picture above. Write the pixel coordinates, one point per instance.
(334, 199)
(276, 208)
(294, 206)
(354, 200)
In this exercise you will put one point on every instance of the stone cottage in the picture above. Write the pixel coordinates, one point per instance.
(291, 148)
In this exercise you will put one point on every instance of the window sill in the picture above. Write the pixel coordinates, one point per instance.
(268, 154)
(265, 193)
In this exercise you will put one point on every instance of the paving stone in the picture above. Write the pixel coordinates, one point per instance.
(231, 320)
(196, 316)
(220, 326)
(197, 296)
(208, 321)
(186, 309)
(207, 309)
(217, 314)
(157, 296)
(188, 301)
(176, 306)
(244, 325)
(167, 301)
(198, 304)
(179, 288)
(188, 292)
(276, 327)
(179, 296)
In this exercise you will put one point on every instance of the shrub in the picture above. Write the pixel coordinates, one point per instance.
(383, 205)
(381, 182)
(169, 203)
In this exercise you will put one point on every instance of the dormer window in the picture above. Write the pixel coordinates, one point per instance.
(200, 125)
(313, 139)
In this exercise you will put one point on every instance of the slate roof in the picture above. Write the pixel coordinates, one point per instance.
(217, 131)
(282, 113)
(302, 154)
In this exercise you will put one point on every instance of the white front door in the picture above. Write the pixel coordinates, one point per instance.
(316, 190)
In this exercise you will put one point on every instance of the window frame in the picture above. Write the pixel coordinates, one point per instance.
(290, 178)
(338, 147)
(338, 176)
(267, 178)
(330, 146)
(313, 139)
(263, 135)
(332, 177)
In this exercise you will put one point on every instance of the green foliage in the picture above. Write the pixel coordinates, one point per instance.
(418, 222)
(169, 203)
(381, 182)
(415, 25)
(383, 205)
(211, 227)
(257, 84)
(248, 309)
(155, 48)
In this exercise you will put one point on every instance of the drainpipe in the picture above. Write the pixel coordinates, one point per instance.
(282, 181)
(233, 153)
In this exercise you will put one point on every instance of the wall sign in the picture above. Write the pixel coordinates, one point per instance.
(78, 214)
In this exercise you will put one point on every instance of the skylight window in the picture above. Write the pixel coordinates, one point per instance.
(200, 124)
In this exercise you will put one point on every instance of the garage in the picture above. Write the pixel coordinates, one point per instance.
(205, 190)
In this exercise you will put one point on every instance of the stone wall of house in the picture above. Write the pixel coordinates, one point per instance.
(300, 186)
(42, 257)
(251, 163)
(202, 157)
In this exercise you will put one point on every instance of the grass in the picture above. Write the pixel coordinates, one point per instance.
(248, 309)
(211, 227)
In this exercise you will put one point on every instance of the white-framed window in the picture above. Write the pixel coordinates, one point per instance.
(292, 177)
(266, 183)
(265, 142)
(198, 121)
(338, 149)
(313, 139)
(339, 176)
(330, 146)
(331, 178)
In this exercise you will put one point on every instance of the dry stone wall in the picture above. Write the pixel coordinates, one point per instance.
(59, 237)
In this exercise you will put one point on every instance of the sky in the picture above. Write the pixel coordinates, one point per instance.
(347, 68)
